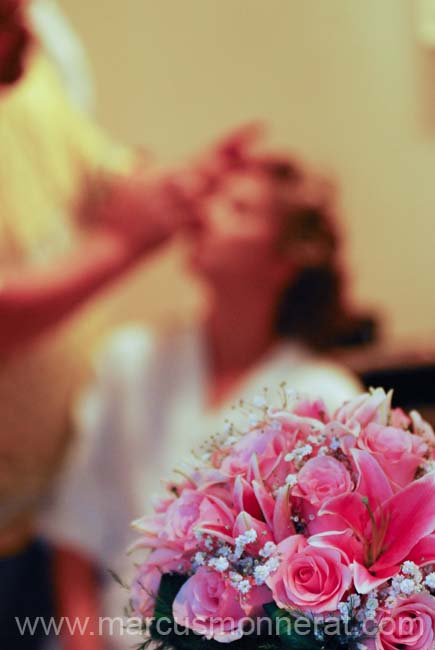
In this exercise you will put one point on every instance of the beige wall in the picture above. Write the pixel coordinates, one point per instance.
(343, 82)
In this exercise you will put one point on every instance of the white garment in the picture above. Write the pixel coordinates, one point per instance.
(64, 48)
(145, 411)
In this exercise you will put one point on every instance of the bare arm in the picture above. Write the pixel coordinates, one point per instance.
(33, 300)
(134, 220)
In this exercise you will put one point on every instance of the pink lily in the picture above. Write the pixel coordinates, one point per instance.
(193, 512)
(366, 408)
(282, 525)
(253, 498)
(376, 529)
(245, 522)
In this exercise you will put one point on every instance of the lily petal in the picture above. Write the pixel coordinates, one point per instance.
(365, 581)
(245, 498)
(351, 509)
(245, 522)
(424, 552)
(411, 517)
(282, 523)
(343, 541)
(373, 483)
(265, 501)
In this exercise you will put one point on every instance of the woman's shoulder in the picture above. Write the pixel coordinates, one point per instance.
(315, 375)
(326, 378)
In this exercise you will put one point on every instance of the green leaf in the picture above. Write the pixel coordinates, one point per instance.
(271, 609)
(170, 585)
(286, 625)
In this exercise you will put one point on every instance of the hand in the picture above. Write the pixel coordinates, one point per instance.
(143, 209)
(229, 153)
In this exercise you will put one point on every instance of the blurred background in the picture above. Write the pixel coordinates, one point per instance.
(347, 85)
(123, 344)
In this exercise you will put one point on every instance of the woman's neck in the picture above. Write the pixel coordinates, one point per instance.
(239, 331)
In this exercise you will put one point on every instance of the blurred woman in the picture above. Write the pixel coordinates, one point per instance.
(156, 395)
(267, 252)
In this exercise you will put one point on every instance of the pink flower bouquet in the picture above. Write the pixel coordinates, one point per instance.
(305, 530)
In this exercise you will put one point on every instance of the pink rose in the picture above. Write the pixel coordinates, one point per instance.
(256, 442)
(260, 454)
(398, 452)
(322, 477)
(309, 578)
(208, 605)
(194, 511)
(411, 624)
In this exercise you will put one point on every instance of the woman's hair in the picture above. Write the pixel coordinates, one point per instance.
(312, 307)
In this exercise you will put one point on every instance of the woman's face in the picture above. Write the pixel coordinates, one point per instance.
(239, 233)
